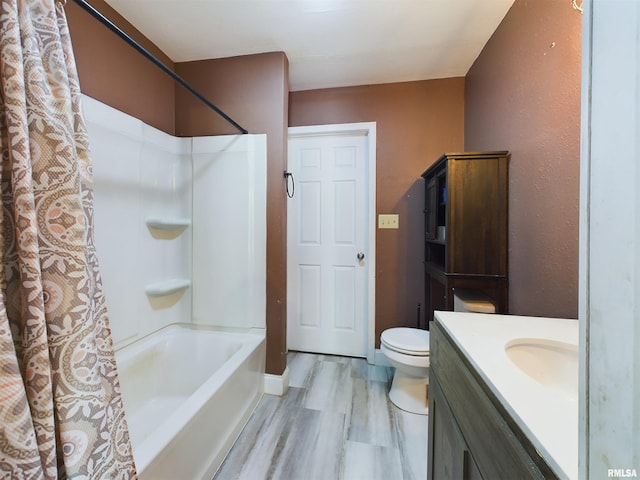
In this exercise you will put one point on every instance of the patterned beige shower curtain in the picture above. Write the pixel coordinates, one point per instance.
(61, 414)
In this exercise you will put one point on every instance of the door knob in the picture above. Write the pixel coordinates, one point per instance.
(360, 256)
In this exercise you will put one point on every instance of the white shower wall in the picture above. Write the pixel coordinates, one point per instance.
(141, 173)
(229, 231)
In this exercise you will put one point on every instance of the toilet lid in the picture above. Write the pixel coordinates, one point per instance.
(412, 341)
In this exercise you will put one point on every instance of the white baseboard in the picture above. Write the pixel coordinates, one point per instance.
(276, 384)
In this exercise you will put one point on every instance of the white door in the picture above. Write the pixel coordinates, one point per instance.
(328, 244)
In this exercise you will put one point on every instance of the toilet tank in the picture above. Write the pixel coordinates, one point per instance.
(467, 300)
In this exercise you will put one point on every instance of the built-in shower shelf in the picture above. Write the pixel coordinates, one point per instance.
(167, 228)
(168, 287)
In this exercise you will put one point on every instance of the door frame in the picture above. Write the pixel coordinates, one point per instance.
(368, 129)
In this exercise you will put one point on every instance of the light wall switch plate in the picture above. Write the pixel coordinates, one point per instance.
(388, 221)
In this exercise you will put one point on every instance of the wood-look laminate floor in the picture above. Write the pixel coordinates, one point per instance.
(334, 422)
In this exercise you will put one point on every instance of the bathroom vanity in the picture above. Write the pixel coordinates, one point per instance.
(503, 397)
(466, 197)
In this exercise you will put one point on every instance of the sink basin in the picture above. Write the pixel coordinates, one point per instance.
(551, 363)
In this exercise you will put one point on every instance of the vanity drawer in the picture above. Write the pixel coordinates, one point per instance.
(498, 446)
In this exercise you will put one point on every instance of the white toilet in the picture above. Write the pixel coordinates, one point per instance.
(407, 349)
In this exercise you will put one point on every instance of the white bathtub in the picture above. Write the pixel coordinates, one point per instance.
(188, 392)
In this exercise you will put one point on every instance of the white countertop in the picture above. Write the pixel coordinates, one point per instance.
(548, 419)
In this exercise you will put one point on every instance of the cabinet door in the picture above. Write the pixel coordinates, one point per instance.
(449, 457)
(436, 295)
(431, 209)
(470, 469)
(446, 445)
(477, 210)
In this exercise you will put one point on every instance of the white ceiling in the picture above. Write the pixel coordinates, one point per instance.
(329, 43)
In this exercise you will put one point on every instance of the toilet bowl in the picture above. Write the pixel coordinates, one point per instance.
(407, 350)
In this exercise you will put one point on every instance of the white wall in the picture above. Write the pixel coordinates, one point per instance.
(610, 241)
(139, 172)
(229, 234)
(142, 173)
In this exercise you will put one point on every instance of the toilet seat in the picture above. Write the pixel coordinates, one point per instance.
(407, 341)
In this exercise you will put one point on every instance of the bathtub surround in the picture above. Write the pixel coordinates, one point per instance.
(140, 174)
(335, 422)
(229, 231)
(207, 197)
(181, 230)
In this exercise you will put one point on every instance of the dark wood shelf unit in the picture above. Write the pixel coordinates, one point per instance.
(466, 228)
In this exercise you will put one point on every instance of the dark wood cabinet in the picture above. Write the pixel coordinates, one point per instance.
(466, 219)
(450, 457)
(431, 221)
(471, 434)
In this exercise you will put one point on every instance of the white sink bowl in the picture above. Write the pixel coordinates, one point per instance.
(551, 363)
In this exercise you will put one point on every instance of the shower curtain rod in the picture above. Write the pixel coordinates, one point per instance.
(111, 26)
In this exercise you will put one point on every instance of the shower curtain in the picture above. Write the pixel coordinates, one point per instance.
(61, 414)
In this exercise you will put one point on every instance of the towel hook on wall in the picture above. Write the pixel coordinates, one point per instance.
(288, 175)
(574, 4)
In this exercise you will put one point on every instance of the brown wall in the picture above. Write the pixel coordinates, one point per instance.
(114, 73)
(523, 94)
(254, 91)
(416, 123)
